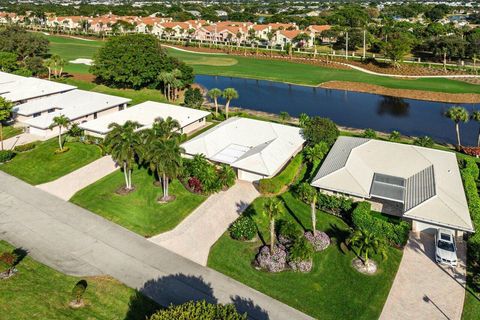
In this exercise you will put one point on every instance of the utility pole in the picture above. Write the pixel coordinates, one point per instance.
(346, 47)
(364, 42)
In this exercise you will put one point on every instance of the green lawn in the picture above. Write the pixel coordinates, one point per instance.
(237, 66)
(42, 165)
(333, 290)
(471, 306)
(138, 211)
(39, 292)
(10, 131)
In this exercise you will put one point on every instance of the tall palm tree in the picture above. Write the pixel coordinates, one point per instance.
(316, 153)
(214, 94)
(177, 83)
(367, 243)
(272, 208)
(309, 194)
(476, 117)
(124, 143)
(229, 94)
(60, 121)
(457, 114)
(5, 113)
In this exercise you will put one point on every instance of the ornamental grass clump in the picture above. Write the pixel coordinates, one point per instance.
(243, 228)
(275, 262)
(320, 240)
(300, 256)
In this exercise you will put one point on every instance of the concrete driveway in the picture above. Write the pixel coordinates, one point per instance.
(65, 187)
(20, 139)
(424, 290)
(76, 241)
(193, 237)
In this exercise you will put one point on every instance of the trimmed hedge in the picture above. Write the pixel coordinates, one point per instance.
(274, 185)
(470, 174)
(394, 233)
(25, 147)
(243, 228)
(199, 310)
(6, 155)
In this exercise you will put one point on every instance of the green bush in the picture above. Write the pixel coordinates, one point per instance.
(336, 205)
(394, 233)
(199, 310)
(25, 147)
(470, 174)
(6, 155)
(369, 133)
(301, 250)
(243, 228)
(320, 129)
(284, 178)
(288, 230)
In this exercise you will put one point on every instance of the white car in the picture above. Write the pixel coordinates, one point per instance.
(445, 248)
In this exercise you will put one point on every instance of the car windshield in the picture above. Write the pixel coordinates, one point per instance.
(446, 245)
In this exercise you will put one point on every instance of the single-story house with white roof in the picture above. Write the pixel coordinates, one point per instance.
(77, 105)
(18, 89)
(146, 113)
(418, 184)
(256, 149)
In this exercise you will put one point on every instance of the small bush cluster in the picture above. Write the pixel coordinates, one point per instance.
(320, 240)
(6, 155)
(25, 147)
(470, 173)
(369, 133)
(337, 205)
(285, 177)
(199, 310)
(300, 257)
(394, 233)
(195, 185)
(204, 177)
(288, 232)
(275, 262)
(243, 228)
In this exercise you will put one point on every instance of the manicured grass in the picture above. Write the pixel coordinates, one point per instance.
(137, 96)
(10, 131)
(277, 70)
(39, 292)
(471, 306)
(42, 165)
(333, 290)
(138, 211)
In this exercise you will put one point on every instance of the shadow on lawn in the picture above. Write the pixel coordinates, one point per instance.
(178, 289)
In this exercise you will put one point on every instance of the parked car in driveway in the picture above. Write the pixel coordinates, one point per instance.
(445, 247)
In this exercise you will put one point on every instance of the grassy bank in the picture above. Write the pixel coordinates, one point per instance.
(39, 292)
(10, 131)
(332, 290)
(138, 211)
(235, 66)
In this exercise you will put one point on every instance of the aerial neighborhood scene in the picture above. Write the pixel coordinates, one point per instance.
(239, 159)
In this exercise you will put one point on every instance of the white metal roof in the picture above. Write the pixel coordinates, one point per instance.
(73, 104)
(145, 114)
(433, 186)
(257, 146)
(16, 88)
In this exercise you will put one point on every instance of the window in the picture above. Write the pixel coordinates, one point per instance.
(201, 120)
(51, 110)
(38, 114)
(95, 115)
(120, 108)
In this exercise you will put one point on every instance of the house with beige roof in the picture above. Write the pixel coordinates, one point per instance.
(421, 185)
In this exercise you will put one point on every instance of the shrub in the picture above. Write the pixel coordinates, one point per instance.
(199, 310)
(75, 130)
(287, 231)
(195, 185)
(272, 263)
(394, 136)
(369, 133)
(193, 98)
(301, 250)
(25, 147)
(320, 129)
(243, 228)
(284, 178)
(338, 206)
(425, 141)
(79, 290)
(394, 233)
(470, 174)
(6, 155)
(320, 240)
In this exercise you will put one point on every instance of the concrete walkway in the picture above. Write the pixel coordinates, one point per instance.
(424, 290)
(201, 229)
(78, 242)
(20, 139)
(65, 187)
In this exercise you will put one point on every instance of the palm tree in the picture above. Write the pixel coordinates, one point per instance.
(316, 153)
(226, 175)
(5, 113)
(303, 119)
(229, 94)
(476, 116)
(367, 243)
(309, 194)
(48, 63)
(60, 121)
(167, 78)
(124, 144)
(164, 129)
(214, 94)
(176, 82)
(394, 136)
(272, 208)
(457, 114)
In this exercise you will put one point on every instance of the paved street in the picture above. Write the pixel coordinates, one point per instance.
(75, 241)
(201, 229)
(65, 187)
(424, 290)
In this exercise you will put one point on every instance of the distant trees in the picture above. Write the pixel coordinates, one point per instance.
(5, 114)
(193, 98)
(135, 61)
(397, 47)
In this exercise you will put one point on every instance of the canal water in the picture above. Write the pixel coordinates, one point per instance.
(350, 109)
